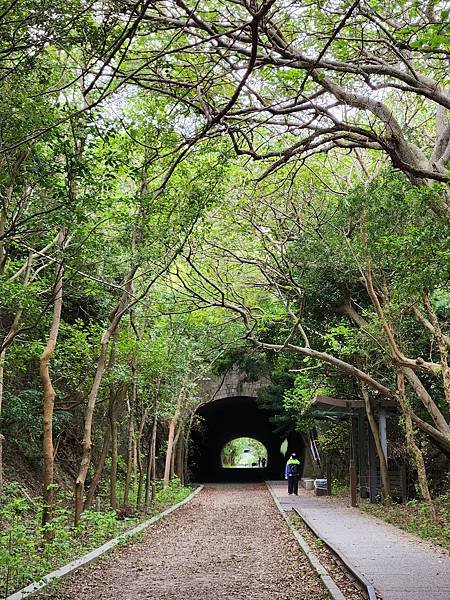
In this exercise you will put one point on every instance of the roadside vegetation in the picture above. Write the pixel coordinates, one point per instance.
(416, 518)
(24, 558)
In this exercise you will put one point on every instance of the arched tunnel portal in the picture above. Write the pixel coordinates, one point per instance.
(226, 419)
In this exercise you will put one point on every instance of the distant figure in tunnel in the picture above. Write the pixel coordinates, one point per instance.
(292, 474)
(263, 462)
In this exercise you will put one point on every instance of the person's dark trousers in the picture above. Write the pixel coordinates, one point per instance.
(293, 484)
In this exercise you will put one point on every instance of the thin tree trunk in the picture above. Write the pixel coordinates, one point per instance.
(442, 343)
(117, 406)
(131, 438)
(49, 393)
(140, 465)
(187, 440)
(176, 448)
(99, 468)
(151, 464)
(148, 476)
(2, 376)
(92, 399)
(6, 342)
(414, 450)
(113, 474)
(179, 461)
(171, 433)
(170, 438)
(172, 461)
(2, 439)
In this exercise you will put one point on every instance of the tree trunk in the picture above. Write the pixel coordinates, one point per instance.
(427, 401)
(117, 406)
(139, 462)
(176, 449)
(92, 399)
(442, 440)
(2, 376)
(8, 340)
(113, 474)
(99, 468)
(168, 469)
(440, 433)
(179, 461)
(150, 487)
(2, 439)
(153, 462)
(443, 344)
(49, 393)
(170, 438)
(172, 461)
(414, 450)
(131, 443)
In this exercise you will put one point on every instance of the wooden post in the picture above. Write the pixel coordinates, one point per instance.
(362, 455)
(372, 470)
(383, 433)
(353, 497)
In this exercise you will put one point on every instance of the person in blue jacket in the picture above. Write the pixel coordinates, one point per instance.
(292, 474)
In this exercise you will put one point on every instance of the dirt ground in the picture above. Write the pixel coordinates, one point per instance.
(228, 542)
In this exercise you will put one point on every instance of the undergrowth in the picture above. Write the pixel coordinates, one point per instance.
(414, 517)
(24, 557)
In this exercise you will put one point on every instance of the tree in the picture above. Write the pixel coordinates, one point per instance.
(310, 263)
(284, 87)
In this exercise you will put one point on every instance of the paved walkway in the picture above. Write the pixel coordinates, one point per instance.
(399, 566)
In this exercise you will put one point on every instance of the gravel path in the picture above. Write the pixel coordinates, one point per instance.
(228, 542)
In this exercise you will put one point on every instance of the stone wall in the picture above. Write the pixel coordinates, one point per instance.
(231, 385)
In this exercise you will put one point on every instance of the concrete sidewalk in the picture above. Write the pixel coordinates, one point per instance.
(399, 566)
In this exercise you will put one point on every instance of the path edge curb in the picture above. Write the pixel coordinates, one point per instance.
(325, 577)
(76, 564)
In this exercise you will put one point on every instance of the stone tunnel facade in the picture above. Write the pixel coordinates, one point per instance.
(231, 410)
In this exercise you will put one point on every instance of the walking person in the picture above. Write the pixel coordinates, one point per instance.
(292, 474)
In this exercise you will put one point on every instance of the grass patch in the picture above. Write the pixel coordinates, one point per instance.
(415, 518)
(23, 556)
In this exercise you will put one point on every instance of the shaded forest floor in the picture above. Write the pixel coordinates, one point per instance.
(228, 542)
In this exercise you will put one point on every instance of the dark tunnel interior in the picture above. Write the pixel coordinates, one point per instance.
(229, 418)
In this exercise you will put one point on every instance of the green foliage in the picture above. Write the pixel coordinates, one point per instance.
(415, 517)
(25, 558)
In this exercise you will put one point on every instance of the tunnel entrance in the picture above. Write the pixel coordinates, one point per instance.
(244, 453)
(227, 419)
